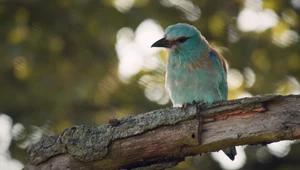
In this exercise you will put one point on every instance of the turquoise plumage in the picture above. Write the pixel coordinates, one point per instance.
(195, 71)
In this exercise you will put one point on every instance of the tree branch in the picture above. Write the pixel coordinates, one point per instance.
(162, 138)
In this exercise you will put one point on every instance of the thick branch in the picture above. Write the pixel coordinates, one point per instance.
(162, 138)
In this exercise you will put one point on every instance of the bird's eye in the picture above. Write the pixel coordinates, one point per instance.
(182, 39)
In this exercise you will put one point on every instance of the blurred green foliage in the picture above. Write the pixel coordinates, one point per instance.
(59, 63)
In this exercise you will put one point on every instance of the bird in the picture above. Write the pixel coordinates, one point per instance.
(195, 72)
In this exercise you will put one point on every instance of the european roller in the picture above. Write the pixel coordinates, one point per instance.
(195, 71)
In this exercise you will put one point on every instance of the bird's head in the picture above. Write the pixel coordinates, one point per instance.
(178, 37)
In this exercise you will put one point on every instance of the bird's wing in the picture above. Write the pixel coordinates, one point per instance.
(220, 58)
(221, 66)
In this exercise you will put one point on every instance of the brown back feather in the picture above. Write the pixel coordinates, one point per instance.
(220, 57)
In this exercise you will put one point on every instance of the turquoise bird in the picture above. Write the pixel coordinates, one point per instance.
(195, 71)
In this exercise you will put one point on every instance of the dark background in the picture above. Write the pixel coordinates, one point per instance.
(60, 64)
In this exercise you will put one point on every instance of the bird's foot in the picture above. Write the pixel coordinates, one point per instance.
(200, 121)
(200, 104)
(185, 106)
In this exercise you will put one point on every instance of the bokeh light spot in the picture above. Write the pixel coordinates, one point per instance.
(234, 78)
(285, 38)
(134, 50)
(21, 68)
(294, 61)
(254, 18)
(250, 77)
(191, 11)
(18, 34)
(296, 3)
(227, 164)
(123, 6)
(216, 25)
(6, 162)
(260, 60)
(18, 131)
(56, 44)
(289, 85)
(281, 148)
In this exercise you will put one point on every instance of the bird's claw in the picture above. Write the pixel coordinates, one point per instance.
(184, 106)
(200, 104)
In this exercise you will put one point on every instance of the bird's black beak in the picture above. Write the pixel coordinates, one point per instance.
(162, 43)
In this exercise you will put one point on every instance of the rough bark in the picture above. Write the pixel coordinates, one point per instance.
(162, 138)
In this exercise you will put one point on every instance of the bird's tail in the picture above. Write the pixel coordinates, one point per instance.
(230, 152)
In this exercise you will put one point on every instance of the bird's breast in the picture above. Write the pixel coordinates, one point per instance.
(186, 85)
